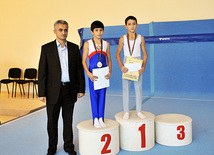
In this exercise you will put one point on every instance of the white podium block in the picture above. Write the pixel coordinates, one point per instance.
(173, 129)
(98, 141)
(136, 134)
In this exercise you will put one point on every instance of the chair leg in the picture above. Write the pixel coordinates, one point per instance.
(8, 89)
(28, 89)
(12, 89)
(15, 89)
(23, 89)
(36, 91)
(20, 89)
(33, 90)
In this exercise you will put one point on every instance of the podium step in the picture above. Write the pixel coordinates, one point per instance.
(136, 134)
(173, 129)
(94, 141)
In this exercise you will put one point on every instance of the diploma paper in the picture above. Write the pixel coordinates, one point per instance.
(133, 67)
(135, 74)
(101, 82)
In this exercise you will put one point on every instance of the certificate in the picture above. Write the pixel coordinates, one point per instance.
(101, 82)
(132, 73)
(133, 67)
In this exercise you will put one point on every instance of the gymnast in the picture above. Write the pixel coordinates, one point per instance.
(132, 43)
(98, 52)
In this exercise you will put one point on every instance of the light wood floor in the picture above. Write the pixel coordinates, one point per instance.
(14, 107)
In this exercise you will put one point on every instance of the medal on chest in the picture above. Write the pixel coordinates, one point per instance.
(99, 64)
(131, 50)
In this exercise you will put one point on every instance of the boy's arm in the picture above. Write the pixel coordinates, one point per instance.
(108, 56)
(118, 57)
(84, 62)
(145, 55)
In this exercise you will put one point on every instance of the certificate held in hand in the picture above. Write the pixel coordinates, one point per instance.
(133, 66)
(101, 82)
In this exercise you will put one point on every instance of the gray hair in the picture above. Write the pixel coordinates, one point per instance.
(60, 22)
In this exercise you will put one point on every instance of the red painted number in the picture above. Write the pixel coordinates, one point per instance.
(143, 135)
(104, 150)
(181, 136)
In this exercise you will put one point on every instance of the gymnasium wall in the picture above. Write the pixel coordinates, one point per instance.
(25, 24)
(180, 61)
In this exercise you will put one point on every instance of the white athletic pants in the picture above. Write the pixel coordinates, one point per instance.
(138, 93)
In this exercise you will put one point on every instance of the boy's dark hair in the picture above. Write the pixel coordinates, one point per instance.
(130, 17)
(97, 24)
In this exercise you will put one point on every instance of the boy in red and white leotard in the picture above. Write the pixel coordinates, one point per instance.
(98, 52)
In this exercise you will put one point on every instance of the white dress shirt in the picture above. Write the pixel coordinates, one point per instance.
(63, 57)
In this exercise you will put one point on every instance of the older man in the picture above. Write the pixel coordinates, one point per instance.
(61, 82)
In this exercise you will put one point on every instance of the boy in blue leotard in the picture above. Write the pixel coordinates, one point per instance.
(98, 52)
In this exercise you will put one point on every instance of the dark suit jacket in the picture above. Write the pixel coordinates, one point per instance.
(49, 76)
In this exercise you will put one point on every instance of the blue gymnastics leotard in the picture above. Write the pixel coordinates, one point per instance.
(97, 96)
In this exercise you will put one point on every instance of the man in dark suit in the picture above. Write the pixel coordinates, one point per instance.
(61, 82)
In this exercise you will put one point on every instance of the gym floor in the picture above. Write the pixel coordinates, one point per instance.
(28, 136)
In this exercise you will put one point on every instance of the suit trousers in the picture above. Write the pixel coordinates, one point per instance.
(53, 110)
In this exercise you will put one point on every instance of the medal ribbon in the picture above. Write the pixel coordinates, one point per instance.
(99, 57)
(131, 51)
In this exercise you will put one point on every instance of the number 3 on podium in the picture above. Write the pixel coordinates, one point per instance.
(181, 136)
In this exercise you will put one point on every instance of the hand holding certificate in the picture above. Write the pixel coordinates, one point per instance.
(133, 66)
(102, 81)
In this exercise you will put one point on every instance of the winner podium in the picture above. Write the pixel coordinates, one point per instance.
(173, 129)
(98, 141)
(136, 134)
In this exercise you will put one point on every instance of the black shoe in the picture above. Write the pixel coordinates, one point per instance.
(51, 152)
(72, 152)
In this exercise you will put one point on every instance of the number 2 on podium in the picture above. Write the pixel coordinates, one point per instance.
(108, 137)
(143, 135)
